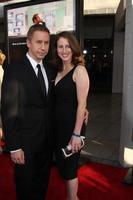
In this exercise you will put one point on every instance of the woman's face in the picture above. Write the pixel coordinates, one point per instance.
(64, 50)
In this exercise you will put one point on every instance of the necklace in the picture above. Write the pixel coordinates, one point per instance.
(66, 69)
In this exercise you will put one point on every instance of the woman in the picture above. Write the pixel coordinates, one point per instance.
(2, 59)
(71, 91)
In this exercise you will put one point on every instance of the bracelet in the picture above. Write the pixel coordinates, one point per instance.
(76, 135)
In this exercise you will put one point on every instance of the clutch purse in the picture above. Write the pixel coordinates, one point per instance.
(67, 151)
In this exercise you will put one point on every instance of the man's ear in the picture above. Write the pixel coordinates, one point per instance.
(28, 43)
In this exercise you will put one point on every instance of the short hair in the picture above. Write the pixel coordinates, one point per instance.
(36, 27)
(34, 17)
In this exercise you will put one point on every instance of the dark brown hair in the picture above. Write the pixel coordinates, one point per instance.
(77, 57)
(35, 17)
(36, 27)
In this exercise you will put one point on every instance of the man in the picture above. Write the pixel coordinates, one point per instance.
(38, 20)
(26, 117)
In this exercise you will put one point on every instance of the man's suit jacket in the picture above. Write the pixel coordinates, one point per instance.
(26, 112)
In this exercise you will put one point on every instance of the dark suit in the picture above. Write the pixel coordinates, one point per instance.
(26, 124)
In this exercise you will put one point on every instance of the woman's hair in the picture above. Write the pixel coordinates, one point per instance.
(2, 57)
(36, 27)
(77, 57)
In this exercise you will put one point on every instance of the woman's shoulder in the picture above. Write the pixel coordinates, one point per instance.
(80, 73)
(80, 69)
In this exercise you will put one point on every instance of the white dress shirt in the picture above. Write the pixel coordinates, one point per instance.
(34, 65)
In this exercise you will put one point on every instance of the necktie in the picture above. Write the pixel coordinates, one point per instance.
(41, 80)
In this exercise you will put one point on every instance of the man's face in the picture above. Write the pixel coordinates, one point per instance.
(38, 45)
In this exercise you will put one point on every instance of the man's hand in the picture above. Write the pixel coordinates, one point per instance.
(18, 157)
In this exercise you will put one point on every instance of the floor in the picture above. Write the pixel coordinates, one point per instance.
(103, 129)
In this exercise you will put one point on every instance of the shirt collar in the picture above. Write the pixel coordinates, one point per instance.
(32, 61)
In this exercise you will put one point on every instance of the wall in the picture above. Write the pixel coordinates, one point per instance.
(119, 39)
(2, 34)
(126, 141)
(98, 26)
(118, 62)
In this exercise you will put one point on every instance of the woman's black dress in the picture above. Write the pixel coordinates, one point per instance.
(65, 117)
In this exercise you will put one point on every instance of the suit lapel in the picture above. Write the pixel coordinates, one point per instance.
(51, 74)
(48, 76)
(32, 77)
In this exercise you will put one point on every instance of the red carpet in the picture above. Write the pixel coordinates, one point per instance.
(96, 182)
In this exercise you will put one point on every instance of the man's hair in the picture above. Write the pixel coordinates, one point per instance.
(35, 17)
(36, 27)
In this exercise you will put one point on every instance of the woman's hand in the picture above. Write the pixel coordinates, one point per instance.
(75, 143)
